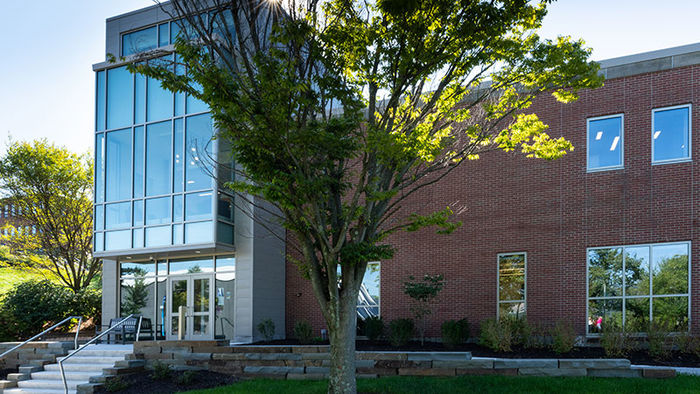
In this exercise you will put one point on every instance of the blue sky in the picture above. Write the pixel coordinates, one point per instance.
(47, 84)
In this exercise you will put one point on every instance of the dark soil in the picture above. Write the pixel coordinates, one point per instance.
(143, 382)
(675, 359)
(5, 371)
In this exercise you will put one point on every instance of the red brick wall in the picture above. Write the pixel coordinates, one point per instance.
(551, 210)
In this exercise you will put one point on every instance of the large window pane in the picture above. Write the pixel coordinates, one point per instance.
(637, 314)
(99, 217)
(138, 161)
(671, 312)
(158, 143)
(670, 269)
(225, 207)
(602, 313)
(198, 173)
(177, 208)
(224, 233)
(100, 168)
(163, 35)
(137, 269)
(605, 142)
(670, 134)
(139, 98)
(138, 296)
(118, 174)
(198, 206)
(138, 213)
(138, 238)
(139, 41)
(100, 100)
(191, 266)
(179, 155)
(511, 277)
(637, 270)
(157, 236)
(368, 298)
(605, 272)
(118, 215)
(159, 101)
(158, 210)
(197, 233)
(118, 240)
(120, 92)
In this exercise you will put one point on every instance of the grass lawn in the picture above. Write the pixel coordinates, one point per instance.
(473, 384)
(10, 276)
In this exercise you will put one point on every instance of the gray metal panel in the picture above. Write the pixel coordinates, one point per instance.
(133, 21)
(639, 68)
(110, 290)
(243, 238)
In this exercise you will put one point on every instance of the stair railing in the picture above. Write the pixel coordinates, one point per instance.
(91, 341)
(75, 341)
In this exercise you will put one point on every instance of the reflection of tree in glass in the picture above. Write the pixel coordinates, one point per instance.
(512, 278)
(636, 274)
(605, 272)
(136, 295)
(179, 294)
(194, 269)
(671, 275)
(133, 271)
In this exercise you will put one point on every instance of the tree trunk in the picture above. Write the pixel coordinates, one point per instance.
(342, 341)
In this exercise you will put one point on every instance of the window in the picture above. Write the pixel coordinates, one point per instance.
(605, 142)
(670, 134)
(631, 286)
(118, 160)
(512, 284)
(120, 95)
(368, 298)
(139, 41)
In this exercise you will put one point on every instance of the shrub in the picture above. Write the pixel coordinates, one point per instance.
(187, 378)
(30, 306)
(660, 341)
(616, 341)
(400, 331)
(374, 327)
(161, 371)
(267, 329)
(115, 384)
(454, 332)
(496, 335)
(303, 332)
(688, 344)
(423, 293)
(563, 337)
(520, 330)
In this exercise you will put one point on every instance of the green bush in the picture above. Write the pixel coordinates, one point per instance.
(115, 384)
(400, 331)
(496, 335)
(267, 329)
(187, 378)
(373, 327)
(616, 341)
(688, 344)
(161, 370)
(454, 332)
(563, 337)
(303, 332)
(660, 341)
(521, 331)
(31, 306)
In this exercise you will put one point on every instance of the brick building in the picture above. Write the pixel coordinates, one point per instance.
(604, 234)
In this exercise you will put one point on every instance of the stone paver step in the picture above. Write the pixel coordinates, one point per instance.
(80, 359)
(35, 391)
(70, 375)
(77, 367)
(48, 384)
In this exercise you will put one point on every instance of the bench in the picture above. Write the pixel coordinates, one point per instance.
(127, 331)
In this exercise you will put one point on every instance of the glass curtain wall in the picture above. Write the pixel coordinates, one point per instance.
(154, 167)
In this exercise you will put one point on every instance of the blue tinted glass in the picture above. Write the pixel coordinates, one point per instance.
(158, 210)
(670, 134)
(138, 161)
(143, 268)
(99, 242)
(139, 41)
(177, 208)
(163, 35)
(100, 101)
(99, 217)
(605, 142)
(225, 263)
(100, 167)
(158, 142)
(198, 152)
(191, 266)
(118, 174)
(198, 206)
(120, 97)
(224, 206)
(174, 31)
(159, 101)
(179, 97)
(224, 233)
(138, 213)
(197, 233)
(178, 154)
(157, 236)
(117, 240)
(195, 105)
(178, 232)
(223, 24)
(118, 215)
(139, 98)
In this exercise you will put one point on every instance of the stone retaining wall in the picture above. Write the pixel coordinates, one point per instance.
(33, 353)
(313, 362)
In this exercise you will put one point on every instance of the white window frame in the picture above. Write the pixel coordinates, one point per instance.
(498, 282)
(690, 134)
(651, 296)
(622, 143)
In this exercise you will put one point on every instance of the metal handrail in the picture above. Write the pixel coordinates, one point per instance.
(75, 342)
(60, 362)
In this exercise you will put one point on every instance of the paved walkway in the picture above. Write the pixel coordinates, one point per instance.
(680, 370)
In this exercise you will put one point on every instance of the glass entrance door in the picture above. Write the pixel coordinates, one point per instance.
(195, 294)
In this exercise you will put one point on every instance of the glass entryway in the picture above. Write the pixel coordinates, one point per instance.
(195, 293)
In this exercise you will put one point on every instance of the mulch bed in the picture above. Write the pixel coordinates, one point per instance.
(5, 371)
(143, 382)
(676, 359)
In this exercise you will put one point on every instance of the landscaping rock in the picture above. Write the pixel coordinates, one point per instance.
(615, 373)
(479, 371)
(657, 373)
(552, 371)
(614, 363)
(273, 370)
(525, 363)
(466, 364)
(427, 371)
(439, 356)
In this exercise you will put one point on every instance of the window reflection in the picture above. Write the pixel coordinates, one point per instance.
(198, 170)
(191, 266)
(670, 134)
(158, 158)
(120, 85)
(118, 165)
(605, 142)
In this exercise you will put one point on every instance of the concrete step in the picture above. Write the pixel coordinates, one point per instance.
(78, 367)
(48, 384)
(103, 353)
(35, 391)
(80, 359)
(70, 375)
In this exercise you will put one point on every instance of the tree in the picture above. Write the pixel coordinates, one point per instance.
(50, 189)
(423, 293)
(336, 112)
(136, 294)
